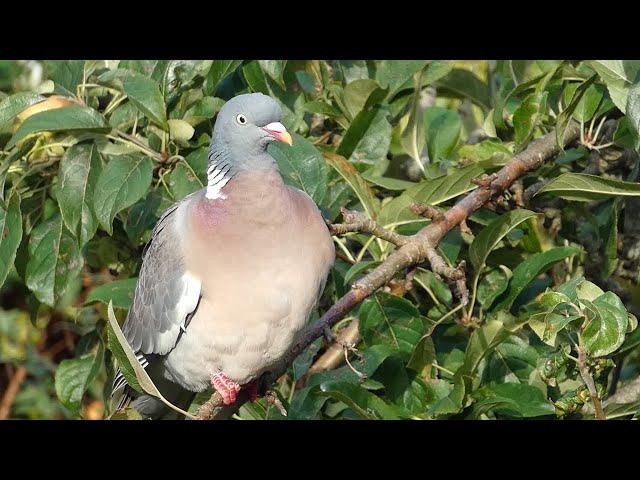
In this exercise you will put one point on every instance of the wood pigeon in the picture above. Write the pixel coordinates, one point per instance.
(232, 271)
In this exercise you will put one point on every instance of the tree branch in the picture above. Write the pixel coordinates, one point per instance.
(13, 388)
(591, 385)
(334, 355)
(417, 248)
(359, 222)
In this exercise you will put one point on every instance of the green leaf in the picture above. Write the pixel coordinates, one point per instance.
(633, 109)
(220, 69)
(275, 69)
(564, 117)
(527, 117)
(54, 260)
(318, 106)
(618, 76)
(528, 270)
(609, 234)
(435, 70)
(66, 73)
(393, 74)
(482, 342)
(12, 105)
(584, 188)
(373, 146)
(367, 138)
(386, 182)
(486, 153)
(588, 104)
(423, 354)
(183, 181)
(145, 94)
(550, 314)
(10, 234)
(491, 286)
(142, 216)
(359, 268)
(493, 233)
(608, 321)
(586, 290)
(203, 109)
(442, 131)
(436, 289)
(452, 403)
(353, 69)
(136, 376)
(432, 192)
(512, 361)
(463, 83)
(412, 138)
(73, 118)
(79, 170)
(73, 377)
(360, 187)
(255, 78)
(123, 181)
(391, 321)
(512, 399)
(118, 292)
(364, 403)
(356, 94)
(302, 166)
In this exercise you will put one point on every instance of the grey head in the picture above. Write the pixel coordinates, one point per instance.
(245, 126)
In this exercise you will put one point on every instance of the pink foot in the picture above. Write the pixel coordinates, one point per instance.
(225, 387)
(252, 390)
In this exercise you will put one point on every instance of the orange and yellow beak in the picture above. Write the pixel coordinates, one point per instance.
(277, 131)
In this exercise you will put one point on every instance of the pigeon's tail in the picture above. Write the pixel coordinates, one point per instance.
(150, 407)
(153, 408)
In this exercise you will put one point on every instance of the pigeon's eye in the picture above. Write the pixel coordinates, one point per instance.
(241, 119)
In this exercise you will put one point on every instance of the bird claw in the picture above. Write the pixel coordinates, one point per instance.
(226, 387)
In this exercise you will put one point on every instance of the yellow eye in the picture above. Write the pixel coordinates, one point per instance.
(241, 119)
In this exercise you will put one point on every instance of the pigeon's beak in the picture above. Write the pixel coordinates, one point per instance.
(277, 131)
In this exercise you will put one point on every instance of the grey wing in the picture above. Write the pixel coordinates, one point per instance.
(166, 295)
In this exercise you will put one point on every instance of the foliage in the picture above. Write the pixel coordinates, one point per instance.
(92, 153)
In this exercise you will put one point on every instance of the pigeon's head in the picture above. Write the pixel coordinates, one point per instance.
(245, 126)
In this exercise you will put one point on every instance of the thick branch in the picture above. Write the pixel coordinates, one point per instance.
(418, 246)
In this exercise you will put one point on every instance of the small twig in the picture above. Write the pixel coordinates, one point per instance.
(359, 222)
(333, 356)
(344, 258)
(451, 275)
(13, 388)
(427, 211)
(351, 348)
(272, 399)
(591, 386)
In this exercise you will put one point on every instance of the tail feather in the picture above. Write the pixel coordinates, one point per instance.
(148, 405)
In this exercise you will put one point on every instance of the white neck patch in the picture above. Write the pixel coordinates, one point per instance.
(217, 177)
